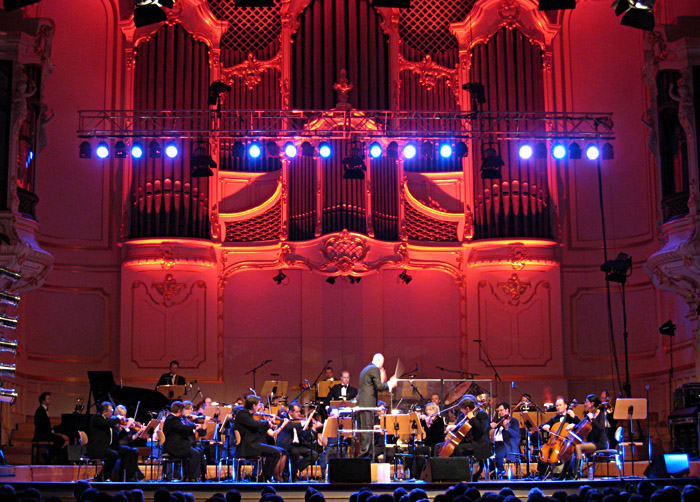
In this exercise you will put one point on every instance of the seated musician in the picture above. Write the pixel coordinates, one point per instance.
(597, 439)
(342, 391)
(565, 417)
(179, 436)
(190, 417)
(250, 444)
(506, 437)
(294, 436)
(103, 444)
(125, 437)
(434, 427)
(171, 378)
(207, 402)
(43, 431)
(475, 442)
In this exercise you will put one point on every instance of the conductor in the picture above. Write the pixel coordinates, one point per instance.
(372, 381)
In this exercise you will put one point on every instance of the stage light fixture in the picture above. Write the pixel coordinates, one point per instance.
(491, 163)
(8, 346)
(238, 150)
(18, 4)
(324, 149)
(354, 164)
(102, 150)
(668, 328)
(8, 395)
(120, 150)
(9, 299)
(461, 149)
(150, 11)
(216, 89)
(202, 163)
(375, 150)
(427, 149)
(540, 150)
(608, 153)
(273, 149)
(525, 151)
(8, 322)
(592, 152)
(137, 150)
(477, 94)
(405, 277)
(392, 150)
(636, 14)
(307, 149)
(409, 151)
(619, 269)
(559, 151)
(556, 4)
(85, 150)
(354, 280)
(445, 150)
(290, 150)
(279, 278)
(171, 150)
(396, 4)
(255, 150)
(8, 370)
(574, 151)
(331, 280)
(154, 150)
(10, 275)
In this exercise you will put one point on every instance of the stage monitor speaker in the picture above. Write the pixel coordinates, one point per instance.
(349, 470)
(657, 468)
(73, 453)
(450, 469)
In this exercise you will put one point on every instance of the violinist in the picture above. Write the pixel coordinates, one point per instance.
(505, 431)
(294, 436)
(434, 427)
(179, 433)
(251, 430)
(126, 432)
(476, 441)
(606, 404)
(596, 438)
(102, 444)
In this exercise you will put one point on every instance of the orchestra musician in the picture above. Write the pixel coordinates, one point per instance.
(328, 374)
(171, 378)
(43, 430)
(342, 391)
(179, 436)
(207, 402)
(294, 436)
(372, 381)
(475, 442)
(251, 431)
(610, 423)
(103, 444)
(597, 439)
(566, 417)
(506, 436)
(434, 427)
(126, 435)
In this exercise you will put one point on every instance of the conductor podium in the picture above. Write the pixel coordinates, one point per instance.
(172, 392)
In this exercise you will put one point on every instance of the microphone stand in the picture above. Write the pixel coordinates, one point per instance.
(256, 369)
(416, 391)
(314, 385)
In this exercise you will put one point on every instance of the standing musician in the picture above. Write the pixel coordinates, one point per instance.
(565, 416)
(179, 435)
(103, 444)
(372, 381)
(343, 391)
(476, 441)
(597, 439)
(251, 431)
(294, 436)
(171, 378)
(505, 432)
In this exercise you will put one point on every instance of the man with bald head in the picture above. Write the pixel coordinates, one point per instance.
(372, 382)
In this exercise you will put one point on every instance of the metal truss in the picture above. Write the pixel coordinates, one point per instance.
(344, 124)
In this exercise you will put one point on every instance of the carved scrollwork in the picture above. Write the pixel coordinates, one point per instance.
(518, 256)
(509, 11)
(345, 251)
(169, 292)
(430, 72)
(169, 288)
(514, 288)
(251, 70)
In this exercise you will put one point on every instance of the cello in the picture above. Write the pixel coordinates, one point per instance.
(456, 435)
(550, 452)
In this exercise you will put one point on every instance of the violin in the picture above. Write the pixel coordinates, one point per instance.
(504, 420)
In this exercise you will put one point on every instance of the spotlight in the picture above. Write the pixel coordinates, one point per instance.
(427, 149)
(461, 149)
(10, 275)
(120, 150)
(18, 4)
(238, 150)
(445, 150)
(154, 150)
(375, 150)
(574, 151)
(354, 280)
(354, 164)
(279, 278)
(137, 150)
(636, 14)
(540, 151)
(202, 163)
(398, 4)
(392, 150)
(85, 150)
(525, 152)
(8, 346)
(290, 150)
(8, 321)
(273, 149)
(324, 149)
(405, 277)
(216, 89)
(668, 328)
(307, 149)
(592, 152)
(171, 150)
(558, 151)
(477, 94)
(608, 152)
(150, 11)
(331, 280)
(556, 4)
(254, 150)
(491, 163)
(102, 150)
(409, 151)
(8, 370)
(9, 298)
(619, 269)
(8, 395)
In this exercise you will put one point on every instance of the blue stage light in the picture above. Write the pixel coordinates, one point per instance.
(445, 150)
(324, 149)
(558, 151)
(255, 150)
(102, 150)
(290, 150)
(592, 152)
(525, 151)
(375, 150)
(171, 150)
(409, 151)
(137, 150)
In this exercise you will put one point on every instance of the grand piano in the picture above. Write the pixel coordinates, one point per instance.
(103, 388)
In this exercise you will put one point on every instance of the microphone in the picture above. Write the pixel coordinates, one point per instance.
(274, 374)
(330, 361)
(477, 341)
(269, 360)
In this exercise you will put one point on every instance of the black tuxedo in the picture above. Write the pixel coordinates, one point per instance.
(103, 443)
(509, 448)
(251, 432)
(179, 434)
(167, 379)
(300, 453)
(370, 386)
(335, 394)
(44, 432)
(476, 441)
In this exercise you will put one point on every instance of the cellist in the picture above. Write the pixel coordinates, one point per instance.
(597, 439)
(476, 441)
(564, 419)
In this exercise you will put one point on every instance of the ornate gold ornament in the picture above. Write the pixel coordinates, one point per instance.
(518, 255)
(343, 87)
(659, 49)
(430, 72)
(168, 289)
(509, 11)
(514, 288)
(344, 250)
(166, 257)
(251, 70)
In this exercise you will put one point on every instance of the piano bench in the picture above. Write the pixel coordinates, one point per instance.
(37, 447)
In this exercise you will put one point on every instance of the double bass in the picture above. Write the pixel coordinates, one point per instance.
(550, 453)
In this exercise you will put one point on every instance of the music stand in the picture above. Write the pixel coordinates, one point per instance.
(630, 409)
(274, 388)
(146, 432)
(531, 427)
(172, 392)
(400, 424)
(334, 427)
(325, 386)
(210, 411)
(340, 403)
